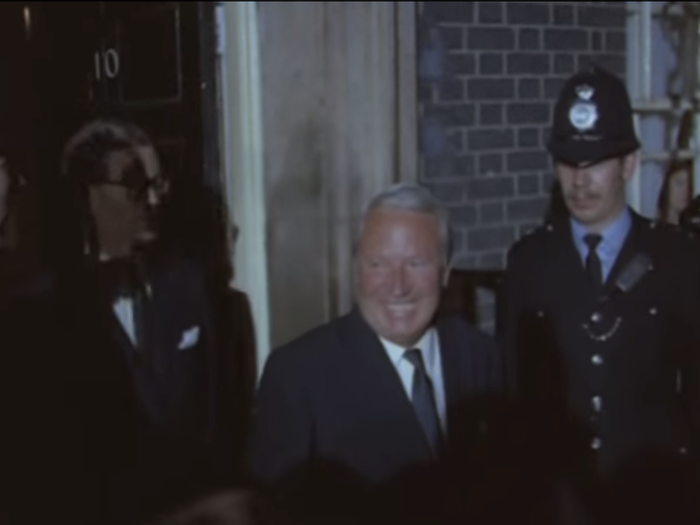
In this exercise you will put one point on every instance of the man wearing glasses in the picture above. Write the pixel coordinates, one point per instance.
(136, 328)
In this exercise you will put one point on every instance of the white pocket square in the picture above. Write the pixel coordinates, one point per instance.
(189, 338)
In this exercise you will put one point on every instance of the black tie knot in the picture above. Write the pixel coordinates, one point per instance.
(414, 356)
(592, 240)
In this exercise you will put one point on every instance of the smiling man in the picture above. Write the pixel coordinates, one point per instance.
(381, 401)
(601, 325)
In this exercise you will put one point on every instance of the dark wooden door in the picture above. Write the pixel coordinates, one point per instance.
(150, 62)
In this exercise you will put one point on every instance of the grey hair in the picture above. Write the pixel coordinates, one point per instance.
(411, 197)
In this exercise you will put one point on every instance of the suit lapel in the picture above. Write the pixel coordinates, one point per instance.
(449, 351)
(376, 373)
(563, 264)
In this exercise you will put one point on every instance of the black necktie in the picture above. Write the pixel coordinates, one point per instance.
(593, 264)
(424, 401)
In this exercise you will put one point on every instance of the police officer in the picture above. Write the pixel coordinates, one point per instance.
(602, 327)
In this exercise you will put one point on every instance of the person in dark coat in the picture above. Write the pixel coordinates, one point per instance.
(384, 413)
(601, 325)
(126, 324)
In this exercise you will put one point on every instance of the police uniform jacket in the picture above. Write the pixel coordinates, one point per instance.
(607, 381)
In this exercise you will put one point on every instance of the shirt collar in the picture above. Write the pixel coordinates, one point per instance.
(613, 235)
(426, 345)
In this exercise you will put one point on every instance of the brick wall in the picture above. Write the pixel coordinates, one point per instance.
(488, 76)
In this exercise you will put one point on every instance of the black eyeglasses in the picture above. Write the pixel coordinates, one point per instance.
(138, 184)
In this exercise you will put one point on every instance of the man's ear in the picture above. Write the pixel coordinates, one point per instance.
(629, 165)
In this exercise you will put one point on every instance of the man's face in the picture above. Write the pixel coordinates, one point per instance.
(399, 273)
(595, 195)
(127, 203)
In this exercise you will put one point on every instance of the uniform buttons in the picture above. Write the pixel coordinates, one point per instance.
(597, 403)
(597, 359)
(596, 443)
(653, 311)
(596, 317)
(550, 228)
(540, 313)
(683, 451)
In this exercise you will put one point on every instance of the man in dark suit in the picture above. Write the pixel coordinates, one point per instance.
(139, 364)
(601, 325)
(383, 410)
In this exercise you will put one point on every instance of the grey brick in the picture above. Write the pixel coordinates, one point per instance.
(490, 139)
(451, 90)
(566, 40)
(563, 15)
(494, 260)
(490, 238)
(528, 13)
(490, 163)
(460, 64)
(490, 12)
(547, 182)
(462, 12)
(433, 137)
(438, 168)
(464, 215)
(615, 41)
(528, 137)
(491, 213)
(529, 88)
(553, 86)
(455, 140)
(450, 115)
(491, 114)
(529, 39)
(546, 132)
(465, 261)
(528, 185)
(490, 188)
(491, 88)
(528, 63)
(528, 113)
(603, 16)
(532, 209)
(491, 64)
(452, 38)
(425, 91)
(564, 64)
(491, 38)
(596, 41)
(615, 63)
(446, 192)
(464, 165)
(518, 161)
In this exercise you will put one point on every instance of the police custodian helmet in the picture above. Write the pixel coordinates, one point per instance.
(592, 120)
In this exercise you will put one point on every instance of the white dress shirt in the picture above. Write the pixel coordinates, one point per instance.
(123, 308)
(429, 346)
